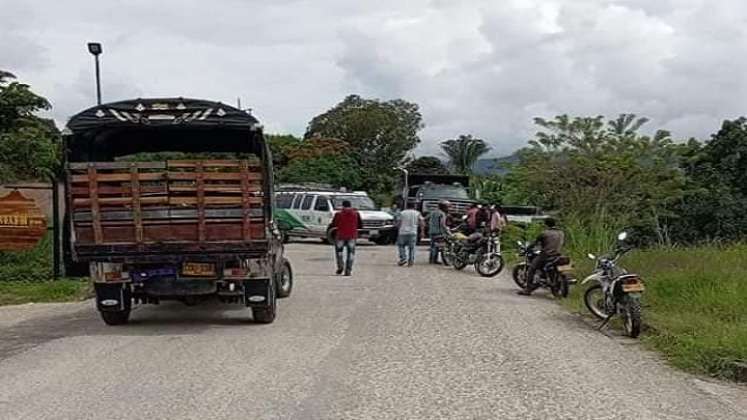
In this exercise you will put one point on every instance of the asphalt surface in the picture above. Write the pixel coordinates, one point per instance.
(387, 343)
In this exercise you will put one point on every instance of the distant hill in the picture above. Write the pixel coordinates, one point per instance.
(495, 166)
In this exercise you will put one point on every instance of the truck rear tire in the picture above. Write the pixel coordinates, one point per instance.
(285, 280)
(267, 314)
(115, 317)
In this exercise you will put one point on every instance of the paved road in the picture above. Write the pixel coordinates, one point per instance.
(389, 342)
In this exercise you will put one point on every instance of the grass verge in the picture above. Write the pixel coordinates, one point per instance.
(695, 305)
(15, 292)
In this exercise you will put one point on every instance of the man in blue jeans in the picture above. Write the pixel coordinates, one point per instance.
(410, 221)
(346, 223)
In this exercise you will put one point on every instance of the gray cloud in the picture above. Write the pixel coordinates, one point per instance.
(478, 66)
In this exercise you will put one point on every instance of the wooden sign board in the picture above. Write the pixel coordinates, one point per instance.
(22, 223)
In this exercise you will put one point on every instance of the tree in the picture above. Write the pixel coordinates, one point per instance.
(463, 152)
(280, 144)
(28, 144)
(603, 173)
(380, 133)
(322, 161)
(429, 165)
(335, 170)
(712, 207)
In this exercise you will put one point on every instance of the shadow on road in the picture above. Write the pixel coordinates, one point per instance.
(168, 318)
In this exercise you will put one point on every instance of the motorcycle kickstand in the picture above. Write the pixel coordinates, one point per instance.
(604, 323)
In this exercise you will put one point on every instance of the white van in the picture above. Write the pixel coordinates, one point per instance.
(308, 214)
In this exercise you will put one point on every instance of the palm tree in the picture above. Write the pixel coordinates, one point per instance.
(463, 152)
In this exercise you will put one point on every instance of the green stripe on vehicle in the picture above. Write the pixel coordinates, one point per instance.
(287, 221)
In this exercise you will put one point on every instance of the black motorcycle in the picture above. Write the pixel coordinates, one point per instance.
(556, 275)
(482, 250)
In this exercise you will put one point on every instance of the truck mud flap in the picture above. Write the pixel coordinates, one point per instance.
(257, 293)
(113, 297)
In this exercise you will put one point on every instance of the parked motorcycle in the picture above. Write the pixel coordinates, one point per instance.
(484, 251)
(556, 275)
(615, 292)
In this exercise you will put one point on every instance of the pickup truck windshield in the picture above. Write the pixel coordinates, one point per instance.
(357, 201)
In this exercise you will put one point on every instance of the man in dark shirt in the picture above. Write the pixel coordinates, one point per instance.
(346, 224)
(550, 243)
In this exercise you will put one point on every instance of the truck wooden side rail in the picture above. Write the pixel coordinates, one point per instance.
(122, 209)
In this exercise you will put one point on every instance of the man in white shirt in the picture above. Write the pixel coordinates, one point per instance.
(410, 221)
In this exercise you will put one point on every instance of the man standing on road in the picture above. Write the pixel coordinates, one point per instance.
(410, 221)
(550, 243)
(346, 224)
(437, 229)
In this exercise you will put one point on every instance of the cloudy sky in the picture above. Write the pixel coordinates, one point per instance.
(484, 67)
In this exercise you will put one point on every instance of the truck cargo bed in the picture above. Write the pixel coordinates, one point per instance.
(176, 206)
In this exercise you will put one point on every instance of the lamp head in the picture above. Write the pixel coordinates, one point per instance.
(95, 48)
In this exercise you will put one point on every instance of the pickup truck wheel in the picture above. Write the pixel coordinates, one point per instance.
(382, 240)
(115, 318)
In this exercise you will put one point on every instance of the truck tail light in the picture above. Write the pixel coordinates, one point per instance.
(102, 272)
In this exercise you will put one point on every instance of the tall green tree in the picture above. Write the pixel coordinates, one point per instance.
(321, 161)
(380, 133)
(463, 152)
(712, 208)
(29, 145)
(603, 172)
(429, 165)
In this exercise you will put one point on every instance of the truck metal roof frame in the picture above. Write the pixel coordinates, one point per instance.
(162, 112)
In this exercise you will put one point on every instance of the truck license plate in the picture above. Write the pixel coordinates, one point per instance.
(198, 269)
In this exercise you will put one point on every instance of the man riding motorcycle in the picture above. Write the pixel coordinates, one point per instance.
(550, 243)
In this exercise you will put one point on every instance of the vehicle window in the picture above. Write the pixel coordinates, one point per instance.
(307, 202)
(283, 201)
(322, 203)
(298, 198)
(360, 202)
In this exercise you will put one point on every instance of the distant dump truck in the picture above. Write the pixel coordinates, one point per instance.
(426, 191)
(152, 227)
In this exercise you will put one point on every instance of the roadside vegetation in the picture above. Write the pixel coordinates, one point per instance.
(66, 290)
(694, 304)
(27, 277)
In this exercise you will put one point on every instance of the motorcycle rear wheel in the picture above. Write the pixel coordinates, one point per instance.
(559, 286)
(633, 318)
(594, 301)
(489, 265)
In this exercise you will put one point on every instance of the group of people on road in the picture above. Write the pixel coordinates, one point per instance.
(410, 222)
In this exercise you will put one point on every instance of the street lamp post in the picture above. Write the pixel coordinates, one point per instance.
(405, 185)
(95, 49)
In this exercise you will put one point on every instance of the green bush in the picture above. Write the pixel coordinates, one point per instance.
(33, 265)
